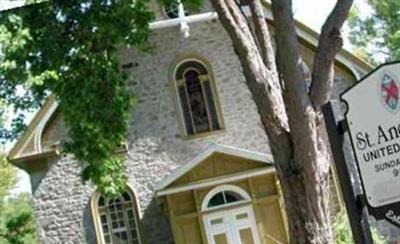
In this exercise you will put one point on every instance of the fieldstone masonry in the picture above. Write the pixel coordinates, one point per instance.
(61, 204)
(155, 143)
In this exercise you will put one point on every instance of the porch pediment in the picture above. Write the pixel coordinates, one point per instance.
(217, 163)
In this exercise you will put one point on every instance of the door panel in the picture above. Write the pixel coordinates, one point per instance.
(220, 239)
(246, 236)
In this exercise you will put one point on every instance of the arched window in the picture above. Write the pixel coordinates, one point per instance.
(224, 195)
(116, 219)
(197, 97)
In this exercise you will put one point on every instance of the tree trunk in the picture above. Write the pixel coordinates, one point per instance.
(306, 192)
(290, 116)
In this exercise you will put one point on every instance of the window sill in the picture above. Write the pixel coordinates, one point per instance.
(203, 134)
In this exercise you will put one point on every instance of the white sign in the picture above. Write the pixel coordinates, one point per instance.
(373, 117)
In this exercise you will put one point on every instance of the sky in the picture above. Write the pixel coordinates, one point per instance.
(6, 4)
(310, 12)
(313, 13)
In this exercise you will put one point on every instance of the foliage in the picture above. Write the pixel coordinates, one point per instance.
(17, 224)
(377, 34)
(7, 176)
(69, 49)
(342, 231)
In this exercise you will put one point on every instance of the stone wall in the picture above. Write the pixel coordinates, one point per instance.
(155, 143)
(61, 204)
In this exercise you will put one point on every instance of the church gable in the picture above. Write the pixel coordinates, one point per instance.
(217, 165)
(36, 139)
(54, 132)
(221, 184)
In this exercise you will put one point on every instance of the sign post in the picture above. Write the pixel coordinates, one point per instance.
(356, 210)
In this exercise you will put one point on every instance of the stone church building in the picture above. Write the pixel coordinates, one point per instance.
(197, 157)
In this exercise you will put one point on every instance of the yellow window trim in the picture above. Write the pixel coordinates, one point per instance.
(96, 215)
(174, 87)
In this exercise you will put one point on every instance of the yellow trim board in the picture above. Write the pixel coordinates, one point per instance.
(214, 148)
(216, 181)
(30, 131)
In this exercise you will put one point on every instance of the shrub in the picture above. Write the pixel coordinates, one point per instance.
(17, 224)
(342, 232)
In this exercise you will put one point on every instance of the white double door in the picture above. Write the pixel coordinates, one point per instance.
(234, 226)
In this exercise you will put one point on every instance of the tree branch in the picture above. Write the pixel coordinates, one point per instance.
(236, 21)
(330, 42)
(262, 34)
(289, 58)
(262, 82)
(301, 113)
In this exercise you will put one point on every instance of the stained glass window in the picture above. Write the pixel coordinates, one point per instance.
(118, 220)
(197, 101)
(196, 97)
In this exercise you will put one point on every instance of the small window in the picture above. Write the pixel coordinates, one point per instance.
(223, 198)
(172, 10)
(117, 220)
(224, 195)
(197, 97)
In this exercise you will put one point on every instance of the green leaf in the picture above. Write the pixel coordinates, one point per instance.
(377, 33)
(342, 232)
(68, 48)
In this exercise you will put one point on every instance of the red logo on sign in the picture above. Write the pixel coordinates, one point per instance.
(390, 93)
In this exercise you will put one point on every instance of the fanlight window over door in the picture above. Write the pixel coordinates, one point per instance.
(197, 97)
(117, 220)
(224, 195)
(224, 198)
